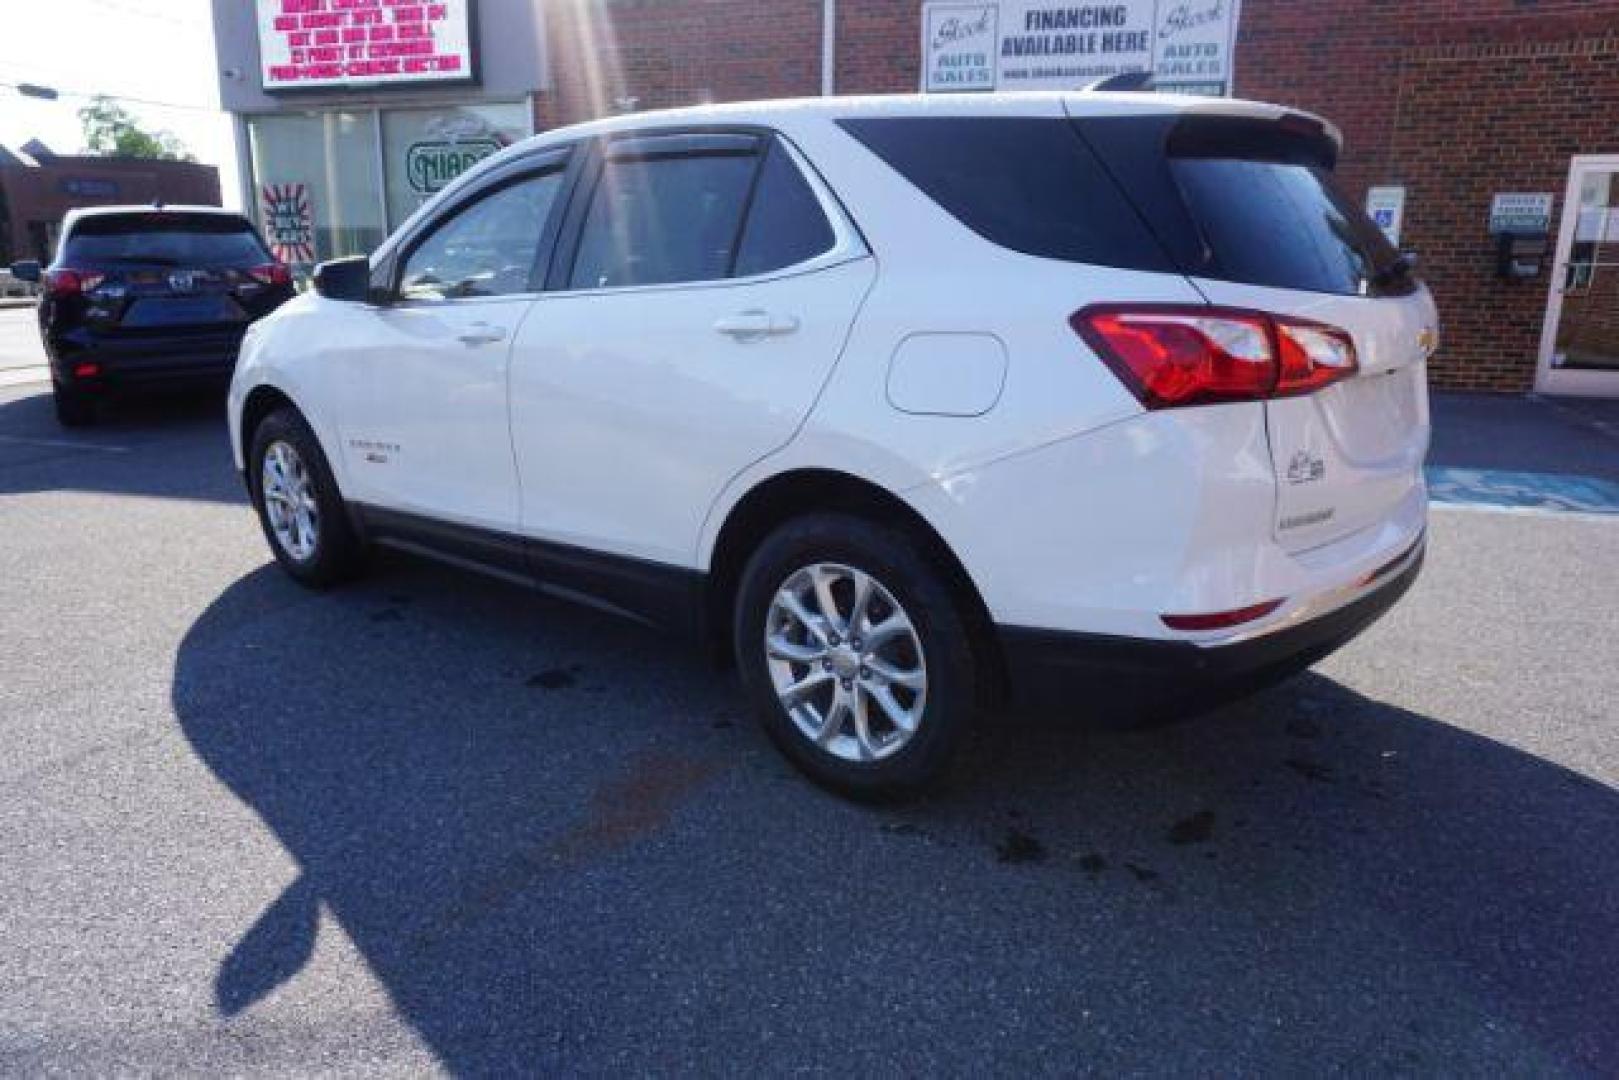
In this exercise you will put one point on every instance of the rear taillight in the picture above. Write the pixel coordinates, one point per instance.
(275, 273)
(1172, 355)
(60, 283)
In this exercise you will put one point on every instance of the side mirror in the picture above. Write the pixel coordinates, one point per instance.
(1410, 260)
(345, 279)
(27, 270)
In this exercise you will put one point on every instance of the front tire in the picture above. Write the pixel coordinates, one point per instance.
(855, 656)
(300, 508)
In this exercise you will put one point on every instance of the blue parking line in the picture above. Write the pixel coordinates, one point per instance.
(1491, 488)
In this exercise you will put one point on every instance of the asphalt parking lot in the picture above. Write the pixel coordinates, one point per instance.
(430, 823)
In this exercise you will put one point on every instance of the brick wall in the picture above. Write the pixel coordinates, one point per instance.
(1455, 99)
(664, 53)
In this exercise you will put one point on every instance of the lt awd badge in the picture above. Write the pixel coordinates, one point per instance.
(1305, 468)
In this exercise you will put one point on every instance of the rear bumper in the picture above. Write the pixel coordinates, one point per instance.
(180, 360)
(1122, 680)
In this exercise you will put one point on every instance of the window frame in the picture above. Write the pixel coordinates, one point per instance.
(549, 161)
(660, 142)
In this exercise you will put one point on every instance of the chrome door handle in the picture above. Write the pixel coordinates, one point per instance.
(481, 333)
(754, 324)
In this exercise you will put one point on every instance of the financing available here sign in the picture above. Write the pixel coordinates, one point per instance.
(1046, 45)
(308, 44)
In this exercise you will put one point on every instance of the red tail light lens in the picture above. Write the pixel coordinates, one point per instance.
(1174, 355)
(60, 283)
(275, 273)
(1312, 356)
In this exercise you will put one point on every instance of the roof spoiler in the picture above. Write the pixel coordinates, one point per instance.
(1122, 83)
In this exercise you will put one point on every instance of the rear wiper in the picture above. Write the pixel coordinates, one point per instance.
(1400, 267)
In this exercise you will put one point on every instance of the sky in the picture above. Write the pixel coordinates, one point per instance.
(155, 50)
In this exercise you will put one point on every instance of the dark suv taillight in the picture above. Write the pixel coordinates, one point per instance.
(1170, 355)
(64, 282)
(276, 273)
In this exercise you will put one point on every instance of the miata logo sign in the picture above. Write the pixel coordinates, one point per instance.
(430, 166)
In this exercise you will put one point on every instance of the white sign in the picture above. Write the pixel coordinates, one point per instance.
(959, 46)
(1386, 206)
(1051, 45)
(1521, 212)
(324, 43)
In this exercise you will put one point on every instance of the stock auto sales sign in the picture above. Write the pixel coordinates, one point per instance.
(307, 44)
(1042, 45)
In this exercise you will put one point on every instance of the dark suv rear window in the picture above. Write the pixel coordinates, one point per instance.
(1031, 185)
(162, 239)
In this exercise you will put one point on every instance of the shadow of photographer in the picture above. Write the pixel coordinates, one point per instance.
(556, 846)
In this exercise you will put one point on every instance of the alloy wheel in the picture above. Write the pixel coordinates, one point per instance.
(289, 500)
(846, 662)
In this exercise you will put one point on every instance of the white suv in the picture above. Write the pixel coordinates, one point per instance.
(918, 407)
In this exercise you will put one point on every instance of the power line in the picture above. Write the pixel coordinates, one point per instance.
(86, 96)
(146, 13)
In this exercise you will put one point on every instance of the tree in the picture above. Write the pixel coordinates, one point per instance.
(110, 129)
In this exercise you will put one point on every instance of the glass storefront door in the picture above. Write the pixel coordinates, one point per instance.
(424, 149)
(321, 169)
(333, 183)
(1580, 344)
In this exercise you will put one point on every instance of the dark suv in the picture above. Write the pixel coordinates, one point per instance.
(150, 298)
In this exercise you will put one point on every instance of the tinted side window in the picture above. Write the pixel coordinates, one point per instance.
(1031, 185)
(658, 220)
(485, 249)
(786, 224)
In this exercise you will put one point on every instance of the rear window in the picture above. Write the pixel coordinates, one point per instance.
(199, 240)
(1028, 184)
(1285, 225)
(1254, 202)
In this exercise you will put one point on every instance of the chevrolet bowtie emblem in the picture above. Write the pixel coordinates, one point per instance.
(1427, 340)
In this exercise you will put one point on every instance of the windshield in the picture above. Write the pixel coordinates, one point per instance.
(164, 240)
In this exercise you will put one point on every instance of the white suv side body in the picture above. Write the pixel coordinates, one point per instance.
(915, 373)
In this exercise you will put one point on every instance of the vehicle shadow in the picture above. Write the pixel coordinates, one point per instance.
(175, 447)
(558, 845)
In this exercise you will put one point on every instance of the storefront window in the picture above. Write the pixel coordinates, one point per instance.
(323, 168)
(424, 149)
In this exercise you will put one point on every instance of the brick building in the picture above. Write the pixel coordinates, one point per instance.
(38, 187)
(1449, 103)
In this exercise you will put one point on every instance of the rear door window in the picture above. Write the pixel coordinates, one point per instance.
(163, 239)
(1029, 184)
(665, 210)
(786, 225)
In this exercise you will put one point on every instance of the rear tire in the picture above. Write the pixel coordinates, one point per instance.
(300, 507)
(875, 706)
(74, 408)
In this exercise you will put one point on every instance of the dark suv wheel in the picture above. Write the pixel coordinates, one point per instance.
(855, 655)
(299, 505)
(74, 408)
